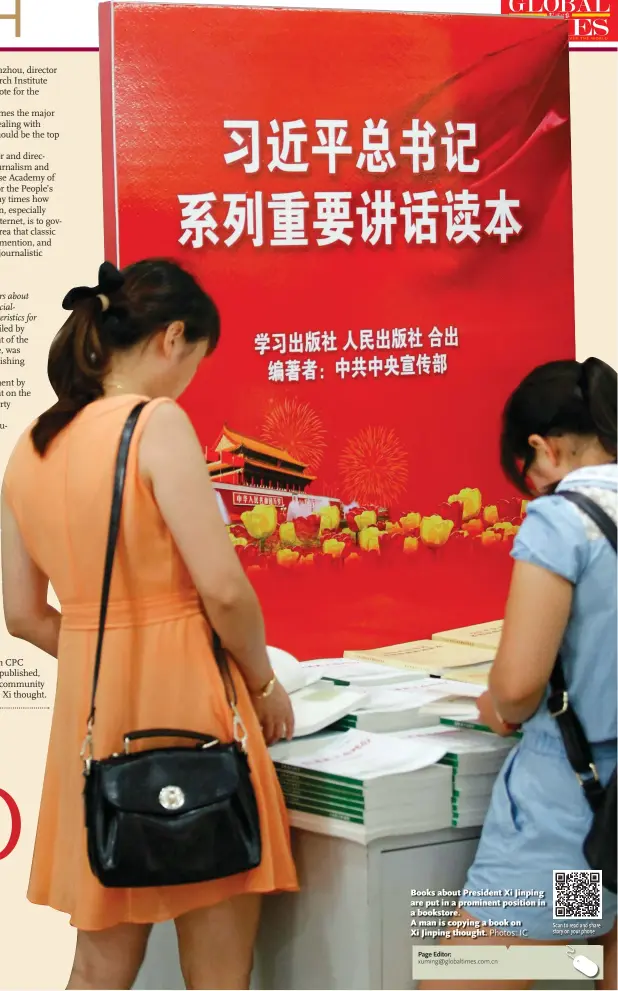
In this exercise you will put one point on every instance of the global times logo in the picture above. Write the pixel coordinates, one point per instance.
(15, 16)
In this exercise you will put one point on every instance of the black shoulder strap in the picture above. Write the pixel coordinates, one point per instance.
(576, 744)
(120, 473)
(112, 540)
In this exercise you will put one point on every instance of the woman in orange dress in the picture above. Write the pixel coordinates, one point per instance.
(139, 334)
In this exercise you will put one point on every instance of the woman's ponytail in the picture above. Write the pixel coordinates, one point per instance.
(124, 309)
(597, 382)
(79, 354)
(76, 365)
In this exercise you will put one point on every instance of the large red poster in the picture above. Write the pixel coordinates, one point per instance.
(380, 205)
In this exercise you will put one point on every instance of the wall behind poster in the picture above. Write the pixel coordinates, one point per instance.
(379, 367)
(38, 945)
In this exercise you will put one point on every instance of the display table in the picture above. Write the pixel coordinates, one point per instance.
(349, 927)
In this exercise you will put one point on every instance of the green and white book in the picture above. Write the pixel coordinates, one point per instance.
(468, 751)
(317, 704)
(474, 726)
(467, 786)
(376, 783)
(362, 674)
(413, 704)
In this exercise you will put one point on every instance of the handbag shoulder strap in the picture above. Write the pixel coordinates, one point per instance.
(578, 750)
(120, 473)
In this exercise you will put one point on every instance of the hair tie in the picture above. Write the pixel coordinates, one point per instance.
(110, 281)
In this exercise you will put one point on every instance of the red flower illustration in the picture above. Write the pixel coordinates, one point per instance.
(307, 527)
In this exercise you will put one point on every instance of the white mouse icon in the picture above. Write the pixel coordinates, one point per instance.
(586, 966)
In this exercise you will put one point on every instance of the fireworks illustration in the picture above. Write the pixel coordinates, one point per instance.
(373, 467)
(296, 428)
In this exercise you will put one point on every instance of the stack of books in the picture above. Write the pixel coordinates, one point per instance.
(485, 635)
(475, 760)
(365, 786)
(412, 704)
(458, 662)
(361, 674)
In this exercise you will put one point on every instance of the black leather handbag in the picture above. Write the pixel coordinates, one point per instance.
(601, 842)
(174, 815)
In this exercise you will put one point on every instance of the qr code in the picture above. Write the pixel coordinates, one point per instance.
(577, 895)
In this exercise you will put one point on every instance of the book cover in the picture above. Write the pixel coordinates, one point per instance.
(485, 635)
(424, 655)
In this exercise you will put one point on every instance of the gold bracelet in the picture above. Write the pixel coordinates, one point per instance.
(267, 690)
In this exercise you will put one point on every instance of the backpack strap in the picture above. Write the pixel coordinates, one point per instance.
(592, 509)
(578, 750)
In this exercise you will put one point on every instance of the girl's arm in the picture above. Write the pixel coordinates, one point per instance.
(27, 613)
(172, 462)
(537, 614)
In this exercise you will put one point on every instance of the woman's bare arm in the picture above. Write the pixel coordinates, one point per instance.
(27, 613)
(171, 460)
(537, 614)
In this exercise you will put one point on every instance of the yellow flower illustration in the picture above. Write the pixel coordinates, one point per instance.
(287, 558)
(410, 545)
(287, 534)
(490, 537)
(238, 541)
(333, 547)
(490, 515)
(352, 558)
(471, 502)
(260, 522)
(473, 527)
(435, 531)
(410, 522)
(394, 527)
(306, 559)
(369, 539)
(330, 518)
(508, 529)
(366, 519)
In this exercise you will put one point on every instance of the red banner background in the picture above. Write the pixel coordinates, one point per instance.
(176, 74)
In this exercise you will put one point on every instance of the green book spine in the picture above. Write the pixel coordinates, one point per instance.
(451, 760)
(320, 775)
(320, 781)
(463, 724)
(347, 722)
(326, 792)
(328, 811)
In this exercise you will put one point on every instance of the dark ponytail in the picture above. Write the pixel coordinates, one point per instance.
(597, 382)
(560, 398)
(124, 309)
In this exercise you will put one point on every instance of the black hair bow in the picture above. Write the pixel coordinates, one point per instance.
(110, 281)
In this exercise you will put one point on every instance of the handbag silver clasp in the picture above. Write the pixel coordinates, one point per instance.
(239, 728)
(87, 751)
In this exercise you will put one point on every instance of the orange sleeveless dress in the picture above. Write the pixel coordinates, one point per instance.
(157, 667)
